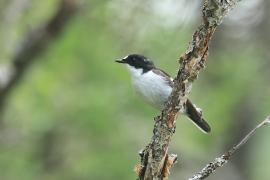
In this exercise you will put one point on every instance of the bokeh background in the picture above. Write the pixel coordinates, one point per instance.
(73, 114)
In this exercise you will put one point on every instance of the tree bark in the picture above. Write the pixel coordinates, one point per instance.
(155, 161)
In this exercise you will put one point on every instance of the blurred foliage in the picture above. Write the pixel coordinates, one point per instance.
(74, 115)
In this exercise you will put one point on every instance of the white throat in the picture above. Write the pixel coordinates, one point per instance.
(135, 73)
(151, 87)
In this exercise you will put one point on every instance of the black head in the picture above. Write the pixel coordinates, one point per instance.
(138, 61)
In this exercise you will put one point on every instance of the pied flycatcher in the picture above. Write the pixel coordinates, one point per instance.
(155, 86)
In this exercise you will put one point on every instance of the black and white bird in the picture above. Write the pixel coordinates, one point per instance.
(155, 86)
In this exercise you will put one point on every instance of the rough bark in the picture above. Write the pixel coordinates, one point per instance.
(155, 161)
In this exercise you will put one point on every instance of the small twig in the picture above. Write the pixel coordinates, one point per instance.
(220, 161)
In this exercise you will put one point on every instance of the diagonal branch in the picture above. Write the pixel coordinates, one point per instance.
(155, 161)
(35, 44)
(220, 161)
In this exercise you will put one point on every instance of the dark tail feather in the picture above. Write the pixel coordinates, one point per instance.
(196, 117)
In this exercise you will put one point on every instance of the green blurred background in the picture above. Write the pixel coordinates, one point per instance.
(74, 114)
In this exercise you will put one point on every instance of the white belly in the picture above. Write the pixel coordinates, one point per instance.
(152, 88)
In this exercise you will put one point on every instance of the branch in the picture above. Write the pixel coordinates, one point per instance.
(34, 45)
(220, 161)
(155, 161)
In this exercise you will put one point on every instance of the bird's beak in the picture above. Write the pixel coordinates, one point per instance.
(120, 61)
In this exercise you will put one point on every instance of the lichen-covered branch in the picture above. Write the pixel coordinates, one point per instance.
(220, 161)
(154, 158)
(34, 44)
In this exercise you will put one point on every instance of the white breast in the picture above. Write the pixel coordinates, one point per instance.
(150, 86)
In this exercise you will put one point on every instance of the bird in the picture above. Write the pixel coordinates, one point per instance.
(155, 86)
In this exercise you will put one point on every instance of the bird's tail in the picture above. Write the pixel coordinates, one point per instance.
(196, 117)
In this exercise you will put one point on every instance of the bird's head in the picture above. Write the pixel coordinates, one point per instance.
(136, 62)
